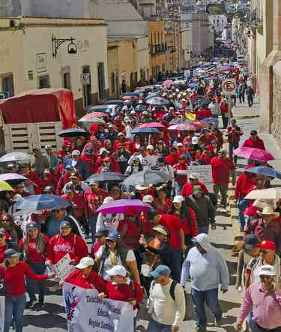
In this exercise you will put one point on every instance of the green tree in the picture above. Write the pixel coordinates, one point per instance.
(215, 10)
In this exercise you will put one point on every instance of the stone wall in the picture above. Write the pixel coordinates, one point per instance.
(276, 124)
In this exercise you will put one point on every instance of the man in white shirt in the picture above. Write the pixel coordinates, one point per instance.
(166, 302)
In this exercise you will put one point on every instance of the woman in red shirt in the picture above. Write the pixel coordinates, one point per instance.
(34, 247)
(5, 244)
(187, 217)
(162, 203)
(13, 275)
(120, 288)
(85, 276)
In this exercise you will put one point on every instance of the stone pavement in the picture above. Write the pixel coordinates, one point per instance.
(52, 318)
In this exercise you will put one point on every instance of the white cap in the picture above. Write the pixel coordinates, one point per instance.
(150, 147)
(267, 270)
(148, 199)
(133, 112)
(179, 144)
(103, 150)
(108, 199)
(85, 262)
(75, 153)
(178, 199)
(117, 270)
(195, 140)
(110, 125)
(193, 176)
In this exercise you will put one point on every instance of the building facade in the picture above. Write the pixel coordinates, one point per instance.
(30, 60)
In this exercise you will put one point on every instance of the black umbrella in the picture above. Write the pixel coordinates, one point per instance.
(147, 177)
(145, 131)
(106, 177)
(73, 132)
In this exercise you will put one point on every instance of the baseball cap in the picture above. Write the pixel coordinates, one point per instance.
(265, 270)
(270, 245)
(193, 176)
(106, 159)
(102, 150)
(31, 225)
(75, 153)
(69, 167)
(150, 147)
(179, 144)
(178, 199)
(161, 271)
(73, 175)
(194, 140)
(113, 235)
(48, 147)
(65, 224)
(251, 241)
(120, 134)
(117, 270)
(148, 199)
(102, 232)
(253, 132)
(11, 253)
(182, 156)
(85, 262)
(108, 199)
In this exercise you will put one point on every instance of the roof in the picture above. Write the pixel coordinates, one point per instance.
(122, 11)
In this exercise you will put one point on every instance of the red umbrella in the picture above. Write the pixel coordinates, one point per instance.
(168, 82)
(254, 154)
(191, 125)
(96, 115)
(151, 125)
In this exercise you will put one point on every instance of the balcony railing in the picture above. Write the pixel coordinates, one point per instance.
(158, 49)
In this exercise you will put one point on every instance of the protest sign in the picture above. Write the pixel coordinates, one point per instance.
(86, 312)
(63, 268)
(205, 175)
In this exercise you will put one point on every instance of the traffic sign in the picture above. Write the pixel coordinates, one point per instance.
(229, 87)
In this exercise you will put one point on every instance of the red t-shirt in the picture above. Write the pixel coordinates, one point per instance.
(2, 250)
(94, 281)
(187, 188)
(221, 169)
(173, 225)
(130, 232)
(33, 255)
(14, 281)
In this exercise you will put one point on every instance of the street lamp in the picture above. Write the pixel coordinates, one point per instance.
(57, 42)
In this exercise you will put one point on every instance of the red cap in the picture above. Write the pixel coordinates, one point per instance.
(267, 245)
(106, 158)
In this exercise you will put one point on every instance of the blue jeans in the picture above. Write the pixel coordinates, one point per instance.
(176, 264)
(225, 119)
(203, 229)
(199, 299)
(92, 223)
(242, 205)
(231, 147)
(40, 269)
(14, 307)
(154, 326)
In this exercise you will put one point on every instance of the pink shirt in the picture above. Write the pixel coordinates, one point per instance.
(266, 307)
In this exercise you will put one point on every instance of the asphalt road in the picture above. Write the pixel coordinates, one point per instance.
(51, 317)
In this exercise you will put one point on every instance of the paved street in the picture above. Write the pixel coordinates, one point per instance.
(53, 312)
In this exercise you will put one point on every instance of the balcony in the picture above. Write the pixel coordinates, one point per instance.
(158, 49)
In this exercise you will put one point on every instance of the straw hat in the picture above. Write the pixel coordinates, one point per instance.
(268, 211)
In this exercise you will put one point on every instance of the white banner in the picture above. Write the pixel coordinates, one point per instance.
(205, 175)
(2, 313)
(86, 312)
(63, 268)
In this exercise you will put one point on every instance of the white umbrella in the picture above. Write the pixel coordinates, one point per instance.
(15, 156)
(270, 193)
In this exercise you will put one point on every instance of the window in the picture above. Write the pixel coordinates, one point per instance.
(101, 80)
(44, 82)
(66, 81)
(8, 86)
(87, 88)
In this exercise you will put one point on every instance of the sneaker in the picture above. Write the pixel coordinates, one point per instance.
(30, 304)
(41, 300)
(218, 322)
(199, 329)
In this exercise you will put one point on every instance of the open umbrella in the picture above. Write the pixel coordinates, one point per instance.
(125, 206)
(215, 121)
(263, 170)
(144, 131)
(152, 94)
(193, 85)
(168, 82)
(157, 101)
(254, 154)
(92, 118)
(147, 177)
(12, 178)
(106, 177)
(191, 125)
(151, 125)
(15, 156)
(74, 132)
(270, 193)
(98, 114)
(41, 202)
(4, 186)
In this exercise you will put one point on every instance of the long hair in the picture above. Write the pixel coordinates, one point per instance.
(40, 242)
(12, 228)
(184, 213)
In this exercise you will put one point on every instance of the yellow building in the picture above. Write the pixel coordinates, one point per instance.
(32, 57)
(158, 47)
(127, 60)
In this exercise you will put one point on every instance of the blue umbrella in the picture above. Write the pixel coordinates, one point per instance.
(193, 85)
(41, 202)
(215, 121)
(157, 101)
(266, 171)
(151, 95)
(144, 131)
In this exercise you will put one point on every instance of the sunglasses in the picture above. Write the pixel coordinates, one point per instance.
(264, 251)
(266, 277)
(6, 219)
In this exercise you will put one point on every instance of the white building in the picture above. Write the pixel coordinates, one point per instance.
(219, 22)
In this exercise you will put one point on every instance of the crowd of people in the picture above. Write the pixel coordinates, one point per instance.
(152, 253)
